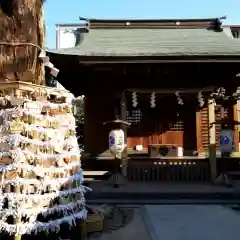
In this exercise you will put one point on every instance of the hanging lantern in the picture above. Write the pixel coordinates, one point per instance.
(200, 99)
(134, 99)
(179, 99)
(153, 100)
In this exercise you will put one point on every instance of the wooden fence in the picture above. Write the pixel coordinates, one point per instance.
(168, 170)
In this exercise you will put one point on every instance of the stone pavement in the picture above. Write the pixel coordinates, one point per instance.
(136, 229)
(192, 222)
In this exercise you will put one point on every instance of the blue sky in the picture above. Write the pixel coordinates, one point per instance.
(60, 11)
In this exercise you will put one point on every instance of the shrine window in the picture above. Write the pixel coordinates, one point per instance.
(134, 116)
(177, 126)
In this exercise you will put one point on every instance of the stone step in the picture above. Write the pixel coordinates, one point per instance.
(115, 194)
(140, 202)
(170, 222)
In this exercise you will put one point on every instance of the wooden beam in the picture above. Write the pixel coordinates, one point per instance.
(235, 128)
(172, 61)
(173, 91)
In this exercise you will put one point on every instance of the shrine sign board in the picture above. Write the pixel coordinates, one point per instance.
(226, 141)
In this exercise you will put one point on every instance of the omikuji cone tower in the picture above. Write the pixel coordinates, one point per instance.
(40, 170)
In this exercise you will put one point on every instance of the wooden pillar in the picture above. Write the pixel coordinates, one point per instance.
(123, 115)
(17, 220)
(199, 132)
(235, 128)
(212, 139)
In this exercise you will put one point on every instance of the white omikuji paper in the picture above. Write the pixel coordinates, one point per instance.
(18, 202)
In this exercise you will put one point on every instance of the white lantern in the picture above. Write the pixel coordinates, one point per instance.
(226, 141)
(116, 141)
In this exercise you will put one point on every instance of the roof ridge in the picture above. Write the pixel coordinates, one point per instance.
(151, 23)
(92, 20)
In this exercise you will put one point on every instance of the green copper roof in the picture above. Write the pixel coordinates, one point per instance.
(154, 42)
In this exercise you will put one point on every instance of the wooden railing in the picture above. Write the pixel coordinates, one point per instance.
(168, 170)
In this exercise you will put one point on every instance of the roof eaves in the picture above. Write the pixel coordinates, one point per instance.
(78, 25)
(143, 54)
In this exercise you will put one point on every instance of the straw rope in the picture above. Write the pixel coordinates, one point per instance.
(21, 37)
(20, 44)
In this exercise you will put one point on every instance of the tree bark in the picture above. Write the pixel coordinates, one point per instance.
(22, 36)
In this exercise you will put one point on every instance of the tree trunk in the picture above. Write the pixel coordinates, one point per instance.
(22, 36)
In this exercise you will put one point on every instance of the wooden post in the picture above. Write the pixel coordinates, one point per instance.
(124, 128)
(235, 128)
(198, 132)
(212, 139)
(83, 228)
(17, 220)
(123, 113)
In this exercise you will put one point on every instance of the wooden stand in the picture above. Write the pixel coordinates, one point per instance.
(223, 178)
(119, 178)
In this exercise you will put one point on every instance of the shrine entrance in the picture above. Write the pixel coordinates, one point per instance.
(167, 123)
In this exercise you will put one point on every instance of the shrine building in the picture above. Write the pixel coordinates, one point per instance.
(165, 77)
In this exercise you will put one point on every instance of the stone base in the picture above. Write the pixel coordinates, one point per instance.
(223, 180)
(117, 179)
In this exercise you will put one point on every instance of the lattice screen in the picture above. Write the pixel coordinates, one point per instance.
(177, 126)
(134, 116)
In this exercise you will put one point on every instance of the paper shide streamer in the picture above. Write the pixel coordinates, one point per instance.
(39, 155)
